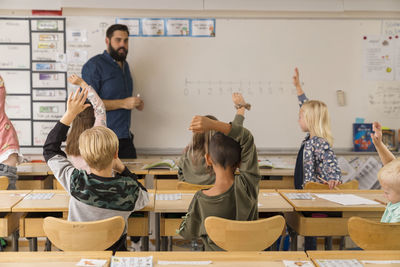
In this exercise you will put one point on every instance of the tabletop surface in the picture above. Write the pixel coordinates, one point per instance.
(319, 204)
(9, 198)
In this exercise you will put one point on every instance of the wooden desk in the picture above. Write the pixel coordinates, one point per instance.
(232, 259)
(269, 201)
(358, 255)
(330, 226)
(47, 259)
(31, 222)
(27, 172)
(9, 221)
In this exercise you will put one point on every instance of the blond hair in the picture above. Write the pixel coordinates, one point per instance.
(98, 146)
(317, 119)
(390, 173)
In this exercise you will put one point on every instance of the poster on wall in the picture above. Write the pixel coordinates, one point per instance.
(46, 46)
(48, 110)
(14, 31)
(132, 24)
(203, 27)
(153, 27)
(41, 131)
(178, 27)
(378, 58)
(49, 95)
(14, 57)
(17, 81)
(24, 132)
(48, 80)
(18, 107)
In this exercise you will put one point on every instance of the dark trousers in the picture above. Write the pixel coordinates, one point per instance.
(126, 148)
(120, 245)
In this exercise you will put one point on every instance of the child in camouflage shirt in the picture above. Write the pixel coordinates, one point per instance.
(98, 195)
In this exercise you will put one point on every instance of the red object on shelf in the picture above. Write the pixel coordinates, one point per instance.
(36, 12)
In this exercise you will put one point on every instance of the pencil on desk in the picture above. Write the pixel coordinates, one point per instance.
(380, 201)
(325, 181)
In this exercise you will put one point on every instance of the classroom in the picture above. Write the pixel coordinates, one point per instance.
(200, 132)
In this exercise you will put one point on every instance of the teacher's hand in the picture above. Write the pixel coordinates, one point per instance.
(133, 102)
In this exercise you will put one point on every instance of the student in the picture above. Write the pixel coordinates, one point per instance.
(98, 195)
(233, 196)
(384, 153)
(94, 115)
(192, 165)
(10, 155)
(316, 162)
(389, 178)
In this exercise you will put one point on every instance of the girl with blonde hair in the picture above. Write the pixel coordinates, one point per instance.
(316, 161)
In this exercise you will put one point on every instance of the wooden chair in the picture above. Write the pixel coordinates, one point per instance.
(234, 235)
(353, 184)
(188, 186)
(83, 236)
(3, 182)
(372, 235)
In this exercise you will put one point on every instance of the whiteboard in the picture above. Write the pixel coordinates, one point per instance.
(14, 31)
(181, 77)
(14, 57)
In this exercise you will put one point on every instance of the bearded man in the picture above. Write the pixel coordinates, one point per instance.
(110, 76)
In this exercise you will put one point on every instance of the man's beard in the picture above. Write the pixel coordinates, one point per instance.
(115, 53)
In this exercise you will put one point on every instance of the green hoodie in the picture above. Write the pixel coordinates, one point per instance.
(238, 203)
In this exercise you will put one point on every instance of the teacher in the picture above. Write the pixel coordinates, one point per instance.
(110, 76)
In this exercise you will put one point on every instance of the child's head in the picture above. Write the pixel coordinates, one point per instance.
(200, 142)
(98, 146)
(224, 152)
(314, 118)
(83, 121)
(389, 178)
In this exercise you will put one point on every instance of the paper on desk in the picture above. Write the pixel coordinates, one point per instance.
(269, 194)
(91, 262)
(299, 196)
(37, 196)
(298, 263)
(339, 263)
(176, 196)
(132, 261)
(347, 199)
(381, 262)
(184, 262)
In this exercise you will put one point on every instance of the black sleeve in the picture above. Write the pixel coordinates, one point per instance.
(52, 146)
(127, 172)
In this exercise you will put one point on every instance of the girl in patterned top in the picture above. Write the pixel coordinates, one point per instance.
(95, 115)
(316, 162)
(10, 155)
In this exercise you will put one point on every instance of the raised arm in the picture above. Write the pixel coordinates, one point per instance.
(54, 156)
(300, 93)
(95, 100)
(384, 153)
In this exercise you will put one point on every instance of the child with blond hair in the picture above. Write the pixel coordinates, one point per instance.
(100, 194)
(316, 161)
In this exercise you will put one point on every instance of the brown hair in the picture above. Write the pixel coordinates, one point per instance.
(98, 146)
(199, 145)
(83, 121)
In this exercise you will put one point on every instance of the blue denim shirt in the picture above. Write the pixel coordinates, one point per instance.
(104, 74)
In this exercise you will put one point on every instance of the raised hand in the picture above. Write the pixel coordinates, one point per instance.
(201, 124)
(377, 135)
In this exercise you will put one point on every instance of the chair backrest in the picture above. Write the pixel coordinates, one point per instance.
(83, 236)
(3, 182)
(372, 235)
(188, 186)
(353, 184)
(234, 235)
